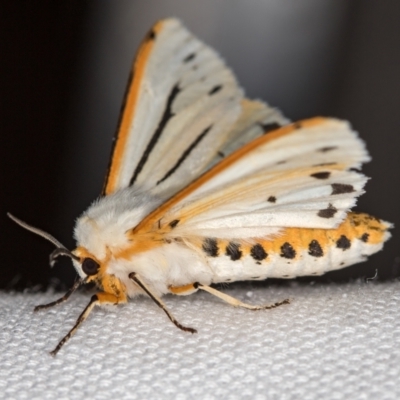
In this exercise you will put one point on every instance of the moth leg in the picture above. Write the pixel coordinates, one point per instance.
(235, 302)
(66, 296)
(183, 290)
(97, 299)
(159, 302)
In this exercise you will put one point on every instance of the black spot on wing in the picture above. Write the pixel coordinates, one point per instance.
(327, 212)
(343, 243)
(324, 164)
(189, 57)
(151, 35)
(365, 237)
(233, 251)
(315, 249)
(326, 149)
(287, 251)
(340, 188)
(215, 89)
(174, 223)
(185, 154)
(221, 154)
(210, 247)
(272, 199)
(321, 175)
(258, 252)
(269, 127)
(167, 115)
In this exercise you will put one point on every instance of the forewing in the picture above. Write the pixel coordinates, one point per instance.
(179, 108)
(301, 175)
(256, 119)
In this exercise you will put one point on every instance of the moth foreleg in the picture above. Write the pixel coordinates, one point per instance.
(159, 302)
(235, 302)
(66, 296)
(97, 299)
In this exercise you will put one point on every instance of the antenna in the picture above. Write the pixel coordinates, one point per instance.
(61, 249)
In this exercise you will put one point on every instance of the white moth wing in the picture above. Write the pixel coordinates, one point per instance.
(298, 176)
(256, 119)
(179, 108)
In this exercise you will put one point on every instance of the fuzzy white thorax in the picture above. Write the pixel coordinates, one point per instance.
(103, 227)
(105, 223)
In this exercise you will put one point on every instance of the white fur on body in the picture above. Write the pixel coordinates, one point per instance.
(190, 115)
(104, 225)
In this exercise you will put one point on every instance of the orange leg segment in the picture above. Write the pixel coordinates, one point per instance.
(183, 290)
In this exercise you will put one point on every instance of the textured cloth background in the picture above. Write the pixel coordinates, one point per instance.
(332, 342)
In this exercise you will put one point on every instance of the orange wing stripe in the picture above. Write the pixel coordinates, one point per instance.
(130, 106)
(157, 214)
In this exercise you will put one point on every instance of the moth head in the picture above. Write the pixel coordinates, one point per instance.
(86, 265)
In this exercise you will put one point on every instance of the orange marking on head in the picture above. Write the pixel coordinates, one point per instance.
(129, 109)
(82, 253)
(157, 214)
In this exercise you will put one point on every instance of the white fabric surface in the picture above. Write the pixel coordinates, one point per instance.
(334, 341)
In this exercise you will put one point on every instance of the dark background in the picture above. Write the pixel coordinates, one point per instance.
(63, 70)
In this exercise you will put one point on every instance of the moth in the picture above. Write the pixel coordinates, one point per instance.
(206, 186)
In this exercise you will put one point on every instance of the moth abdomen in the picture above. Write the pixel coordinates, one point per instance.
(297, 251)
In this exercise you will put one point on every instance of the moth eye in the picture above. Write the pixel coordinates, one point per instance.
(90, 267)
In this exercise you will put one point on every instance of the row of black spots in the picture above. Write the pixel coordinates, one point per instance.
(189, 57)
(365, 237)
(151, 35)
(215, 90)
(258, 252)
(210, 247)
(287, 251)
(326, 149)
(321, 175)
(315, 249)
(174, 223)
(325, 164)
(267, 128)
(327, 212)
(340, 188)
(343, 243)
(233, 251)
